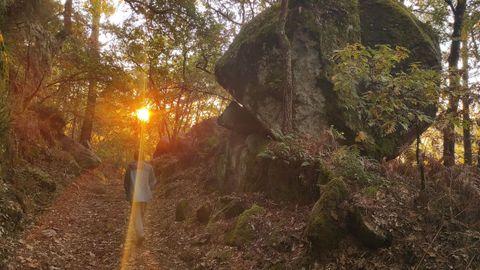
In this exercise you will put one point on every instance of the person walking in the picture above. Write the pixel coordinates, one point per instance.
(139, 182)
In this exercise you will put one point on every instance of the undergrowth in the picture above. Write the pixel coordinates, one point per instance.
(330, 158)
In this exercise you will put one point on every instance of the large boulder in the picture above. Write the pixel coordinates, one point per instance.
(242, 164)
(51, 125)
(86, 158)
(251, 68)
(237, 118)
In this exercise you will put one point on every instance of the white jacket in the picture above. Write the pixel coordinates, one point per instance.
(139, 181)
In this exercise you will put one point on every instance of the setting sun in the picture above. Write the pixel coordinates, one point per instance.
(143, 114)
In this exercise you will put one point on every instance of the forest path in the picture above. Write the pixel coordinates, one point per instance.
(84, 228)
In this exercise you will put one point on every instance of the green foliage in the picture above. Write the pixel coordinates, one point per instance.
(371, 84)
(35, 175)
(349, 164)
(288, 147)
(332, 160)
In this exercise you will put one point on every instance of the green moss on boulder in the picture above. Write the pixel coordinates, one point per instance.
(398, 27)
(243, 231)
(250, 70)
(325, 229)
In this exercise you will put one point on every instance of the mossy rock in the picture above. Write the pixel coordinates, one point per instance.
(228, 207)
(398, 27)
(239, 119)
(244, 164)
(233, 207)
(84, 157)
(203, 213)
(252, 70)
(181, 210)
(45, 181)
(325, 229)
(243, 232)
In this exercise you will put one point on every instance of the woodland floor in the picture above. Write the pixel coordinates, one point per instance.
(82, 229)
(85, 228)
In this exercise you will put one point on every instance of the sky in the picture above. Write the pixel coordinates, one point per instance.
(122, 12)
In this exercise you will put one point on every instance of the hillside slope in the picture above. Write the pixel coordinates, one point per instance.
(435, 229)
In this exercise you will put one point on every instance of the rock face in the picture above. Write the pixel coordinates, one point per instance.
(241, 167)
(250, 70)
(51, 128)
(85, 157)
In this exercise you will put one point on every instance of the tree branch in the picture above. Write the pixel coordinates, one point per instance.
(450, 4)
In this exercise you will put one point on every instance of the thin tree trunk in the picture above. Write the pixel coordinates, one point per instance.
(420, 165)
(67, 16)
(285, 47)
(449, 131)
(467, 136)
(87, 127)
(478, 152)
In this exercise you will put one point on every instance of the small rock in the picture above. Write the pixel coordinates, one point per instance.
(181, 210)
(230, 207)
(49, 233)
(202, 239)
(204, 213)
(234, 208)
(187, 256)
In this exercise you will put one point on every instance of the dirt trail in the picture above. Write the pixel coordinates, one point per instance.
(83, 229)
(86, 226)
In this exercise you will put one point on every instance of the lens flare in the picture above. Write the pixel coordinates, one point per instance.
(143, 114)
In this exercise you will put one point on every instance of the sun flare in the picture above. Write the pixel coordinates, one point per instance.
(143, 114)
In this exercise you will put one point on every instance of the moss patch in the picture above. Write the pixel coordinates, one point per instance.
(324, 229)
(243, 231)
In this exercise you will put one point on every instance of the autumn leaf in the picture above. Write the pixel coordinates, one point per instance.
(361, 137)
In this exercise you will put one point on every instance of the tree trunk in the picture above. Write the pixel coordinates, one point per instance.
(449, 131)
(420, 163)
(467, 137)
(478, 151)
(67, 17)
(285, 47)
(87, 127)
